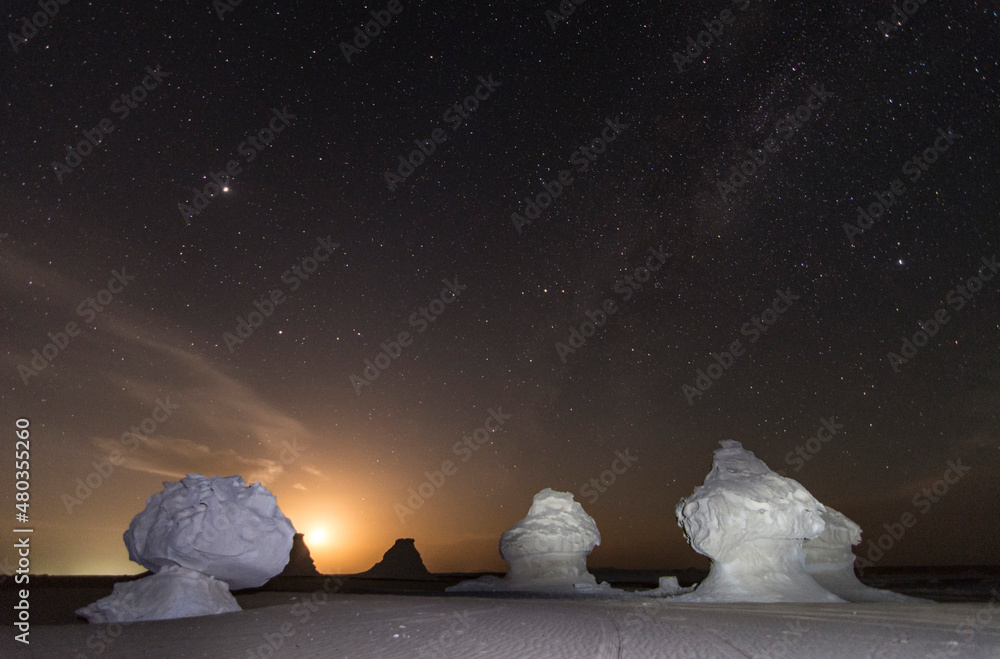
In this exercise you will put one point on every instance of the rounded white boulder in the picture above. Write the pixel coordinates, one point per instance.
(218, 526)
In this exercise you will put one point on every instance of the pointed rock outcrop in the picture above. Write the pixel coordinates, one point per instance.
(402, 561)
(300, 562)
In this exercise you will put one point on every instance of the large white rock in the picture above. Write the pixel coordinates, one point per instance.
(547, 550)
(752, 522)
(218, 526)
(830, 562)
(174, 592)
(549, 547)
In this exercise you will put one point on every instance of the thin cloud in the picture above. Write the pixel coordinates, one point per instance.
(175, 458)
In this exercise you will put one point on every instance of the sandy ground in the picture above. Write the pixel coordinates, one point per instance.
(319, 624)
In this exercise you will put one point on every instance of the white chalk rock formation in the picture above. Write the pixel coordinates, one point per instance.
(547, 550)
(752, 522)
(218, 526)
(173, 592)
(549, 547)
(830, 562)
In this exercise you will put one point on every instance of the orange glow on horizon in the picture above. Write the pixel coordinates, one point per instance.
(317, 537)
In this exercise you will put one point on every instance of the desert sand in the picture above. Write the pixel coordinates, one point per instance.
(321, 624)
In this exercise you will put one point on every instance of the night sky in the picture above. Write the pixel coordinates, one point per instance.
(627, 234)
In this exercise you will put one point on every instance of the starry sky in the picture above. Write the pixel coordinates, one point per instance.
(627, 233)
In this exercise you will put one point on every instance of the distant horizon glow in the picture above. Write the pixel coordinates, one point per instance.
(316, 537)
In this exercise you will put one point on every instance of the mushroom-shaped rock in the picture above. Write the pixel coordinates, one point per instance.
(549, 547)
(752, 522)
(218, 526)
(173, 592)
(830, 562)
(545, 551)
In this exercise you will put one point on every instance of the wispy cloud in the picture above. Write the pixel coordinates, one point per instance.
(216, 408)
(175, 458)
(315, 472)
